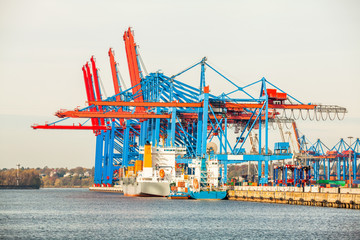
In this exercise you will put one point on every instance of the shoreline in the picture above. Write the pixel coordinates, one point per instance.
(66, 187)
(19, 187)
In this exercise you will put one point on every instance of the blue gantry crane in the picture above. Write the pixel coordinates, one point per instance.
(167, 112)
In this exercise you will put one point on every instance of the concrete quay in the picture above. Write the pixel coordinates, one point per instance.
(115, 189)
(312, 196)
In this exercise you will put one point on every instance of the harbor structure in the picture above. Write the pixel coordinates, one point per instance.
(170, 115)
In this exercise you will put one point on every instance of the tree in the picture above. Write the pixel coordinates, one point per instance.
(58, 183)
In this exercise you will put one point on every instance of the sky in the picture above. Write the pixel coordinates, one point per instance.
(310, 49)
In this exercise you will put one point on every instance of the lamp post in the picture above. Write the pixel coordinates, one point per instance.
(350, 163)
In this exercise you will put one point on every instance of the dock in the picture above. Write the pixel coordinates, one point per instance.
(309, 196)
(221, 126)
(115, 189)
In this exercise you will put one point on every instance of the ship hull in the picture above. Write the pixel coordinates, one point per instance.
(178, 195)
(208, 195)
(145, 189)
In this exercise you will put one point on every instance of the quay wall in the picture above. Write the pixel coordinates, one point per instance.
(116, 189)
(313, 196)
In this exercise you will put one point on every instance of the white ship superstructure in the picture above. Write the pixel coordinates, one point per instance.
(206, 173)
(158, 171)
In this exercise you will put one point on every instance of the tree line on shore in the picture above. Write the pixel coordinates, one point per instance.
(47, 177)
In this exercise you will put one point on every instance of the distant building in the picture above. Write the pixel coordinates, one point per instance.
(68, 174)
(53, 173)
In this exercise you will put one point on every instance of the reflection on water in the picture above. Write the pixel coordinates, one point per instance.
(80, 214)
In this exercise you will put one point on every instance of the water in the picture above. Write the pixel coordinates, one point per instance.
(80, 214)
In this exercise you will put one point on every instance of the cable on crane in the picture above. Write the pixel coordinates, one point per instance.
(309, 114)
(293, 115)
(287, 125)
(322, 117)
(301, 114)
(121, 78)
(288, 113)
(284, 114)
(337, 113)
(332, 119)
(317, 117)
(101, 84)
(141, 62)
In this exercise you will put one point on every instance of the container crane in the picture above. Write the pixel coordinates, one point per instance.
(167, 112)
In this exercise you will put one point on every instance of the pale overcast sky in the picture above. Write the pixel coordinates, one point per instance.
(311, 49)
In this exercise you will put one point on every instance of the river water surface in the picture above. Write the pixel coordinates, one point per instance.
(81, 214)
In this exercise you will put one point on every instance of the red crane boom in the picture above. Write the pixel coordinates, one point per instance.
(114, 75)
(97, 86)
(134, 69)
